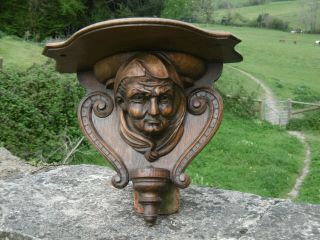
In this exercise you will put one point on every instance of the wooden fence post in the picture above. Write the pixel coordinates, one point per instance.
(289, 109)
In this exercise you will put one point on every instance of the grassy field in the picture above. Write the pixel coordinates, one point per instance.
(290, 70)
(289, 11)
(234, 83)
(19, 53)
(249, 156)
(310, 191)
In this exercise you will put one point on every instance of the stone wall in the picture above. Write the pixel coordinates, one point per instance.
(79, 202)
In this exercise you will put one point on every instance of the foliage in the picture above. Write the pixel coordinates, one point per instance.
(39, 19)
(309, 121)
(234, 19)
(309, 16)
(305, 94)
(87, 154)
(2, 34)
(241, 104)
(38, 112)
(189, 10)
(265, 20)
(256, 2)
(178, 9)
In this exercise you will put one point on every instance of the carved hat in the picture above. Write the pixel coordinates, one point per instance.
(181, 68)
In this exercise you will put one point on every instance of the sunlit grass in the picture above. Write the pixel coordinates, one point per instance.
(310, 191)
(284, 66)
(19, 53)
(249, 156)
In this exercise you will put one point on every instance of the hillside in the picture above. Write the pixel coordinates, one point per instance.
(19, 53)
(288, 63)
(294, 12)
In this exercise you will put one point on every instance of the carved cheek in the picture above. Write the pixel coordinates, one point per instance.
(136, 110)
(166, 109)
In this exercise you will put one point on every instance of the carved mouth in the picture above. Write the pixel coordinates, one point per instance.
(153, 122)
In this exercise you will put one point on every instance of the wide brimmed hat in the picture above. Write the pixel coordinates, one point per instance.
(93, 43)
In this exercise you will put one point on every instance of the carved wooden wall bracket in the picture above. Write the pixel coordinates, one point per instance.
(150, 106)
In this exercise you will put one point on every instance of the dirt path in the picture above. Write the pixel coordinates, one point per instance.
(272, 115)
(306, 165)
(272, 102)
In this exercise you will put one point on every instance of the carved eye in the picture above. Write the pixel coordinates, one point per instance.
(164, 99)
(138, 98)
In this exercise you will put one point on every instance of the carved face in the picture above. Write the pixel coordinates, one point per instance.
(150, 104)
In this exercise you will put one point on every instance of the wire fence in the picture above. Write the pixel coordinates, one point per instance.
(280, 112)
(276, 112)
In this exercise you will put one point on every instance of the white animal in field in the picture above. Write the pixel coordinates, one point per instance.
(317, 42)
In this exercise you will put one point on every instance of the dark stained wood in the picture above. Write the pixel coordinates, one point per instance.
(149, 113)
(202, 112)
(95, 42)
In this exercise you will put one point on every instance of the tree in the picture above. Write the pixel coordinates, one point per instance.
(206, 8)
(178, 9)
(55, 18)
(189, 10)
(310, 15)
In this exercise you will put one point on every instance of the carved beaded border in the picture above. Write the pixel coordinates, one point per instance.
(196, 102)
(102, 105)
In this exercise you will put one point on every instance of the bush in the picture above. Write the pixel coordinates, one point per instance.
(265, 20)
(38, 112)
(304, 93)
(239, 105)
(234, 19)
(310, 121)
(2, 34)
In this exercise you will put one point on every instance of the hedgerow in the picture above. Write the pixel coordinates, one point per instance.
(38, 112)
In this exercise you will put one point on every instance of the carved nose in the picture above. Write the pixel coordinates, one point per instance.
(154, 109)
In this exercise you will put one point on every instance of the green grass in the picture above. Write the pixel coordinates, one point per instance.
(233, 83)
(310, 191)
(289, 11)
(19, 53)
(249, 156)
(89, 155)
(284, 66)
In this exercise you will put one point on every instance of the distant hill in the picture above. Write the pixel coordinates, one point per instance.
(296, 12)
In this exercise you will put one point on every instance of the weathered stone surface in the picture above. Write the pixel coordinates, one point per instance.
(78, 202)
(11, 165)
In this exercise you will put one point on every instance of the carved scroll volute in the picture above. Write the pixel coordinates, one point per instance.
(101, 105)
(199, 101)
